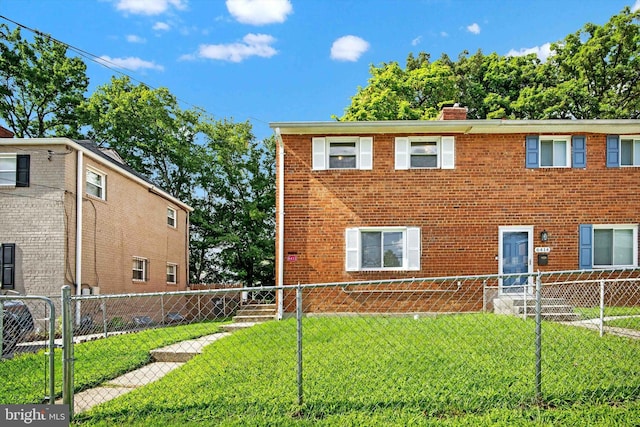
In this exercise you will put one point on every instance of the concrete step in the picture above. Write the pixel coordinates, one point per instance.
(558, 317)
(255, 318)
(231, 327)
(254, 312)
(545, 309)
(531, 302)
(185, 350)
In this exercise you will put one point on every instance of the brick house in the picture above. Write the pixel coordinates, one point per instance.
(74, 214)
(361, 201)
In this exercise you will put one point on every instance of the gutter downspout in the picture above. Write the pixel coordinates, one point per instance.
(79, 182)
(280, 279)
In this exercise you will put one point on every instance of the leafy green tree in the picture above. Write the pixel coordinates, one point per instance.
(40, 87)
(233, 235)
(598, 71)
(149, 130)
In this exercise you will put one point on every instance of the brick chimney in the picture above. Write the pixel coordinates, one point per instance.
(5, 133)
(456, 112)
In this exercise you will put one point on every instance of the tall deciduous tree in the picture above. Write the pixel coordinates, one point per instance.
(234, 219)
(149, 130)
(590, 74)
(40, 87)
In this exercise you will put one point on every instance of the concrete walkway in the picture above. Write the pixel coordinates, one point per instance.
(164, 360)
(611, 330)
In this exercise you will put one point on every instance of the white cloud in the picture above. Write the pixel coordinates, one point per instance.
(161, 26)
(259, 12)
(348, 48)
(416, 41)
(474, 28)
(252, 45)
(132, 38)
(543, 52)
(149, 7)
(636, 6)
(444, 34)
(131, 63)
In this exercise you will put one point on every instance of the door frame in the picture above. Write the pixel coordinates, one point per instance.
(521, 229)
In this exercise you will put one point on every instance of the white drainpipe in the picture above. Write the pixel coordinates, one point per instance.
(79, 187)
(280, 281)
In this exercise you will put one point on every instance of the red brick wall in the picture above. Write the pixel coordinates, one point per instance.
(459, 211)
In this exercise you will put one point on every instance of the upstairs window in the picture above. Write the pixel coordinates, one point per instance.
(14, 170)
(96, 184)
(172, 273)
(556, 151)
(140, 269)
(425, 152)
(344, 152)
(629, 152)
(171, 217)
(382, 248)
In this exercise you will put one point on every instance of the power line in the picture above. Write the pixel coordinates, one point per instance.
(107, 64)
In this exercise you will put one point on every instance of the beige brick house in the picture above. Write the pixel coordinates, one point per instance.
(393, 200)
(73, 214)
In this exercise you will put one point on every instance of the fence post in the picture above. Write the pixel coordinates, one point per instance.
(67, 349)
(601, 308)
(103, 306)
(299, 329)
(538, 338)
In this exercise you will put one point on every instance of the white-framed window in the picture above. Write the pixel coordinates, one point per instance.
(630, 151)
(425, 152)
(615, 245)
(555, 151)
(382, 248)
(342, 152)
(8, 169)
(171, 217)
(96, 183)
(172, 273)
(140, 268)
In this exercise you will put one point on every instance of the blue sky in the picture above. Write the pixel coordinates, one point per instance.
(290, 60)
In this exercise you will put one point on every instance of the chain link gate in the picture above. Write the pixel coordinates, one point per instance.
(27, 325)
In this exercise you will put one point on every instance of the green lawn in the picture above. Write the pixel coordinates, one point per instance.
(95, 362)
(450, 370)
(627, 323)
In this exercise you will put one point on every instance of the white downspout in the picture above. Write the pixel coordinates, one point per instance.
(280, 280)
(79, 192)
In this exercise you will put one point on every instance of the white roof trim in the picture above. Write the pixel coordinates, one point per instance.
(612, 126)
(114, 165)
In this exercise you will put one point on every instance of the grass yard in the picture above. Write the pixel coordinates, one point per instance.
(473, 369)
(96, 361)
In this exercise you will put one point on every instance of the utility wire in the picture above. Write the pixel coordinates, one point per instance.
(108, 64)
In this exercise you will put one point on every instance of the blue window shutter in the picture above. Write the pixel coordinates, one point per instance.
(586, 246)
(613, 150)
(579, 151)
(533, 151)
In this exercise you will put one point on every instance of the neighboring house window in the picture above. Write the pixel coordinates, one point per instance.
(140, 269)
(172, 273)
(623, 151)
(382, 248)
(171, 217)
(603, 246)
(425, 152)
(556, 151)
(96, 184)
(7, 265)
(14, 170)
(342, 153)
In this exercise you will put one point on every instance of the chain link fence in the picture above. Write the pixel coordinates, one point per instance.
(431, 347)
